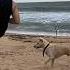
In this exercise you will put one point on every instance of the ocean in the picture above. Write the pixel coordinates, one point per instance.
(42, 23)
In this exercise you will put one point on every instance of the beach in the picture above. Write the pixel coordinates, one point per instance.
(47, 20)
(17, 53)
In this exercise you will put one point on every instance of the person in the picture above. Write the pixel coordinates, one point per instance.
(15, 14)
(8, 8)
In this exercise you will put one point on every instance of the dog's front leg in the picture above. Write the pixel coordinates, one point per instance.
(47, 61)
(52, 62)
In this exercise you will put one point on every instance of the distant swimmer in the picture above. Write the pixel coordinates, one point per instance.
(8, 8)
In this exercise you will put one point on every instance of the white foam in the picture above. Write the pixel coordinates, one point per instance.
(37, 33)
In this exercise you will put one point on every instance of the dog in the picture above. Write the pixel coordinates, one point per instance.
(53, 51)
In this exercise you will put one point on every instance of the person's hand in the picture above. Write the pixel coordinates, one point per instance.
(11, 21)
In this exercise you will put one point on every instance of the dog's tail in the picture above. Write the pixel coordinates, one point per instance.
(45, 48)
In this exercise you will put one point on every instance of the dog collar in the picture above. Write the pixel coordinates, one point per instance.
(45, 48)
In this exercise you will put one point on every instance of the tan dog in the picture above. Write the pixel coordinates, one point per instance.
(52, 50)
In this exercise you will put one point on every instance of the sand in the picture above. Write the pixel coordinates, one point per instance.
(17, 53)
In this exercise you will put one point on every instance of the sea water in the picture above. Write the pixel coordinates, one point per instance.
(42, 23)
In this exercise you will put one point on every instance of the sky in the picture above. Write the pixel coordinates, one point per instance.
(39, 0)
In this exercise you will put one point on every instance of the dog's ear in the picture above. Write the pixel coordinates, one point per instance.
(41, 39)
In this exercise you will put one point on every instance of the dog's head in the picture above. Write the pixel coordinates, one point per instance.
(41, 43)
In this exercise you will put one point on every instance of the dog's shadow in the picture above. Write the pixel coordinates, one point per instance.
(55, 67)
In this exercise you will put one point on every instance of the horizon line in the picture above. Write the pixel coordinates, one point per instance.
(40, 1)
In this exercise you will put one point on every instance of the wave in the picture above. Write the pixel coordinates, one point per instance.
(36, 33)
(45, 17)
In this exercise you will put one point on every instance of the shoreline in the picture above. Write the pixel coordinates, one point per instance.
(33, 38)
(53, 34)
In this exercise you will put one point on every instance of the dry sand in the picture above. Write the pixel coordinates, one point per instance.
(18, 53)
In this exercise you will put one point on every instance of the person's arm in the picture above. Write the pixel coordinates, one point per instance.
(15, 14)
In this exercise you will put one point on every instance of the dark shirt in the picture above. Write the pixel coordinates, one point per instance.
(5, 12)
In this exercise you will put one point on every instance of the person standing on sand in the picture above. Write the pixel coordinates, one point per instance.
(8, 8)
